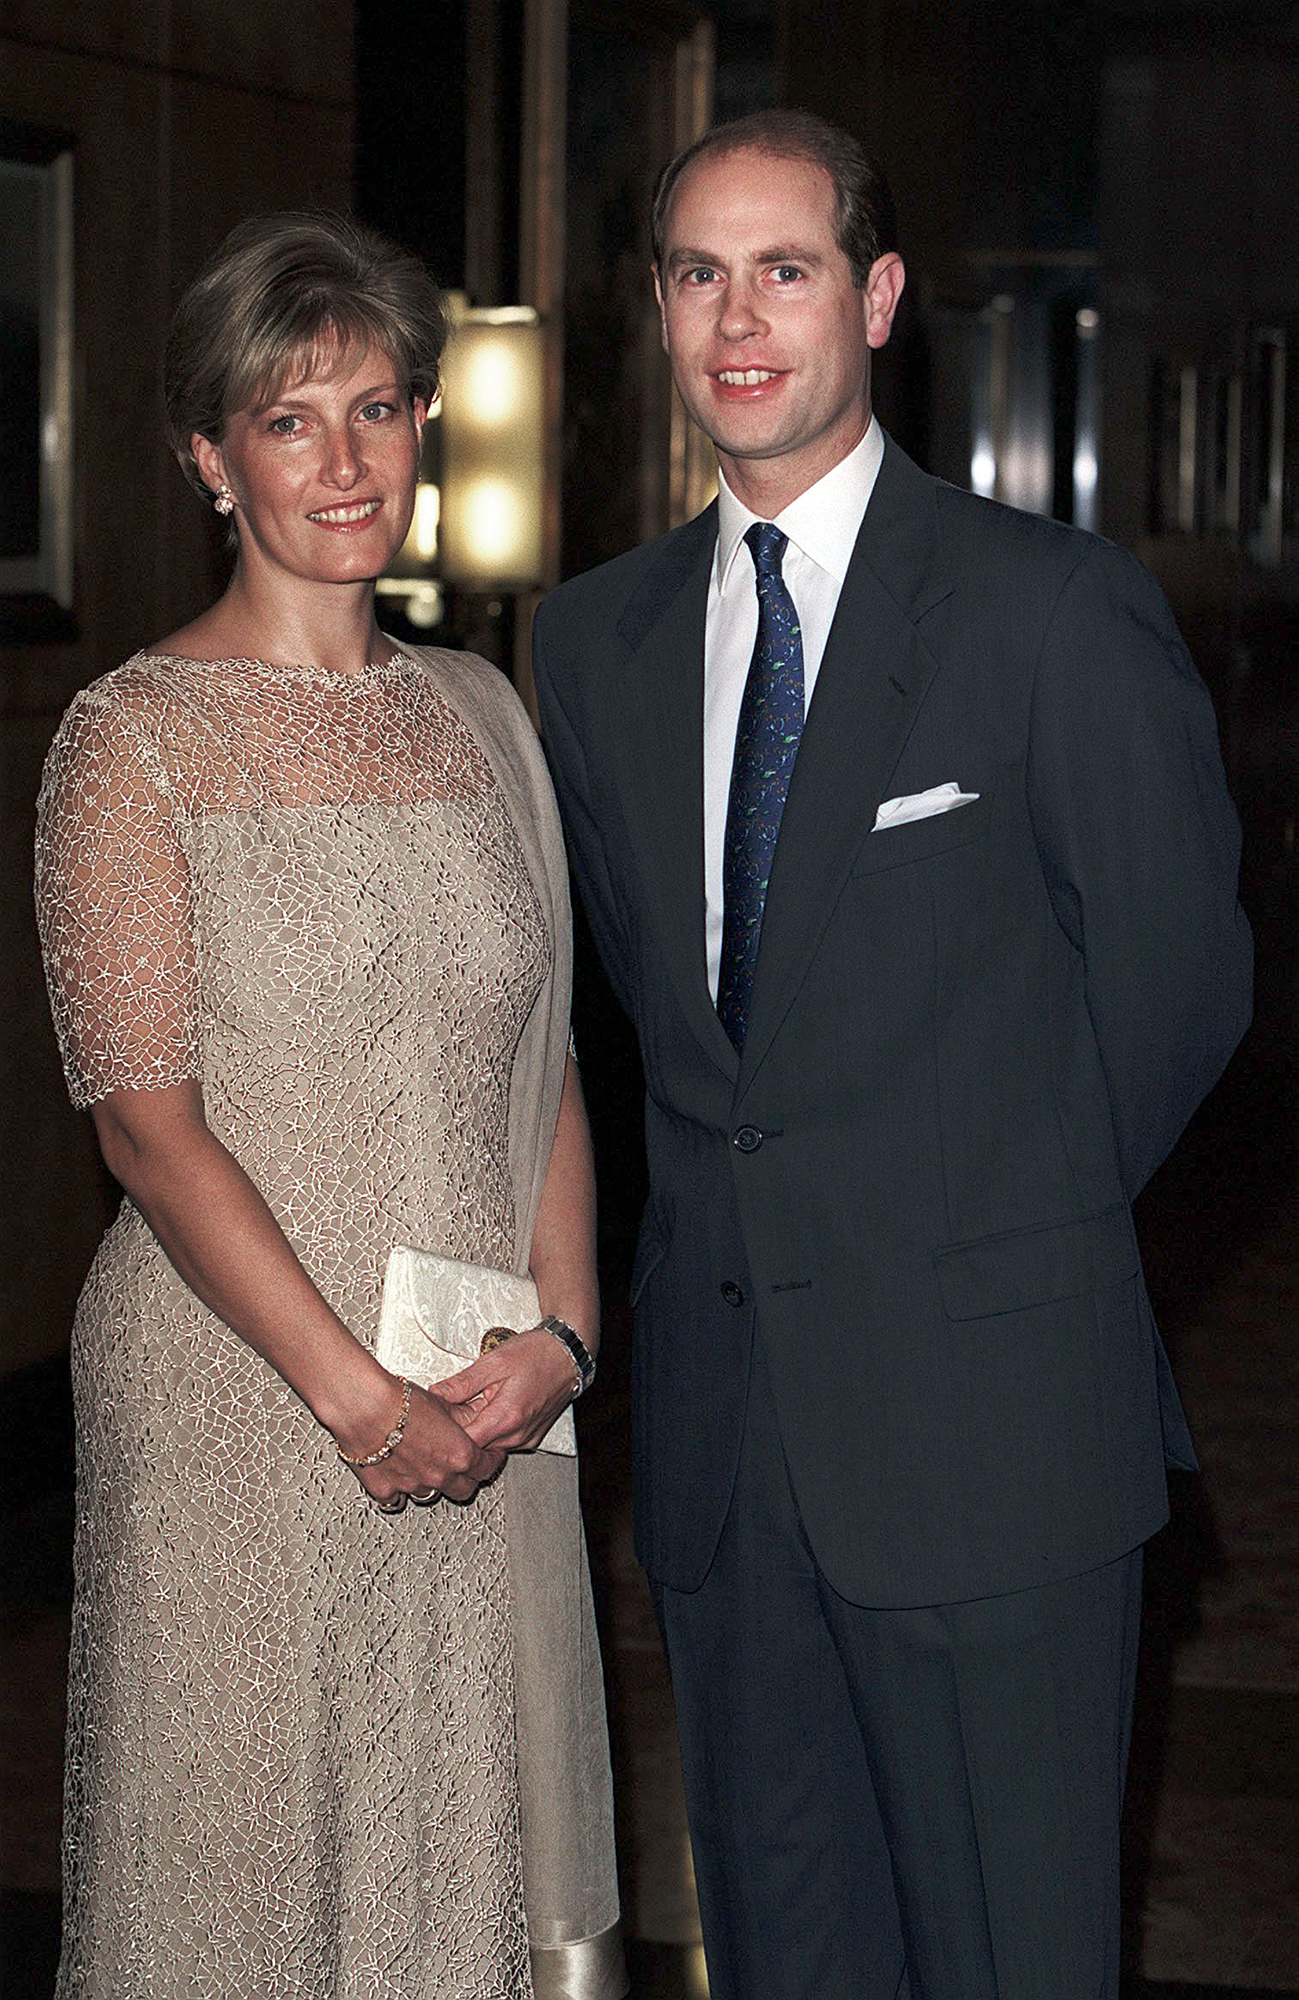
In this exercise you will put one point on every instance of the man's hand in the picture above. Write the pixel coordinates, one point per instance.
(509, 1398)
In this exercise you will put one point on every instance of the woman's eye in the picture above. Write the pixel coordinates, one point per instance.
(374, 413)
(283, 426)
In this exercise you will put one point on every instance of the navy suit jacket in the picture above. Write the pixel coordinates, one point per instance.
(972, 1038)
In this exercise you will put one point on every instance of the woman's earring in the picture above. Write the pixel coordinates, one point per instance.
(225, 501)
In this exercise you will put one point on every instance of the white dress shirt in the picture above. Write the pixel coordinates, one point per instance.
(822, 527)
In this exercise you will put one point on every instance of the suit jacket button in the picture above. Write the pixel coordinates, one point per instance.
(732, 1293)
(747, 1139)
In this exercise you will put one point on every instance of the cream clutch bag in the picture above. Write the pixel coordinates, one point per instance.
(434, 1312)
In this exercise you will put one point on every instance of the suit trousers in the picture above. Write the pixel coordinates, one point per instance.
(916, 1804)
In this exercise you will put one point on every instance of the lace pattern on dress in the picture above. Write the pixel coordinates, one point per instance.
(291, 1758)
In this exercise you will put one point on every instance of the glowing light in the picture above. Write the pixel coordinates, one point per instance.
(494, 525)
(422, 541)
(492, 451)
(983, 470)
(696, 1972)
(424, 605)
(494, 381)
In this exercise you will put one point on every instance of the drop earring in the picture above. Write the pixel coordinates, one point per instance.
(224, 502)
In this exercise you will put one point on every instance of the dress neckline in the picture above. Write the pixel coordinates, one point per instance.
(333, 678)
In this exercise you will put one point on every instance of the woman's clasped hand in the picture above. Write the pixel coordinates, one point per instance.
(451, 1438)
(428, 1453)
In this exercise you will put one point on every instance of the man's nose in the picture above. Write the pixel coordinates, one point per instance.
(740, 314)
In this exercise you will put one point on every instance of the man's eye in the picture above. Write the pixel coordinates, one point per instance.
(787, 273)
(701, 275)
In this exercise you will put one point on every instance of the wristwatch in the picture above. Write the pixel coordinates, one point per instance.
(578, 1352)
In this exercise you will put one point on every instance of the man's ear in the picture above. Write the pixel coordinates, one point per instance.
(882, 295)
(207, 457)
(663, 317)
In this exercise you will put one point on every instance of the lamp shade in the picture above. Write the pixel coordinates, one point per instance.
(490, 531)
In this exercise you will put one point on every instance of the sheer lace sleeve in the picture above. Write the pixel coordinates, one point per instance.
(113, 903)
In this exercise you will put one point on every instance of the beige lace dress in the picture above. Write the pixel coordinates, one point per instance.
(314, 1750)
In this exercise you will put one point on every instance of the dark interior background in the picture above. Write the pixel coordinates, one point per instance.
(1128, 160)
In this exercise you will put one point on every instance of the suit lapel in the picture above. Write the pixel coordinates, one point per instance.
(661, 741)
(873, 677)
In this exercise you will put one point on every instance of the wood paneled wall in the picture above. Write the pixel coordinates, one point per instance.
(186, 117)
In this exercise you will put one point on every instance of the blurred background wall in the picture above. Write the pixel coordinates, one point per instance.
(1099, 209)
(178, 119)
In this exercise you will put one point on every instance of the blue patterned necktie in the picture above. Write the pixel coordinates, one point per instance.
(766, 744)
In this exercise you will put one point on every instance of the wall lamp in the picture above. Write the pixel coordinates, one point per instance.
(478, 522)
(492, 451)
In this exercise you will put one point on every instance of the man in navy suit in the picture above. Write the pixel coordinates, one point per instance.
(901, 825)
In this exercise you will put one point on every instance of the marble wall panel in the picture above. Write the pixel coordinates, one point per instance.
(296, 46)
(113, 113)
(299, 47)
(167, 160)
(135, 29)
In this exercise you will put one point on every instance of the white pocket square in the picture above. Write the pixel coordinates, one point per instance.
(921, 805)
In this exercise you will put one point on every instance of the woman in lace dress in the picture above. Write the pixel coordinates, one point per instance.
(303, 910)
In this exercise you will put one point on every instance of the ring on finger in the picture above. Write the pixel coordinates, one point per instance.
(426, 1499)
(393, 1506)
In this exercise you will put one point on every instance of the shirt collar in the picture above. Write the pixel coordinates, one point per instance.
(822, 522)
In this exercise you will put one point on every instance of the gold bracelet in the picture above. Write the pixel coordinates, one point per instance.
(390, 1443)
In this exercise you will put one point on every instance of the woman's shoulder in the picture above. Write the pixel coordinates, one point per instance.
(482, 687)
(124, 722)
(489, 705)
(485, 699)
(128, 697)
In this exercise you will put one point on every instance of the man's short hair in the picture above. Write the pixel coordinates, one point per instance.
(867, 227)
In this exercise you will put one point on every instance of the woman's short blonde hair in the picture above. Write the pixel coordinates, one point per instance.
(285, 295)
